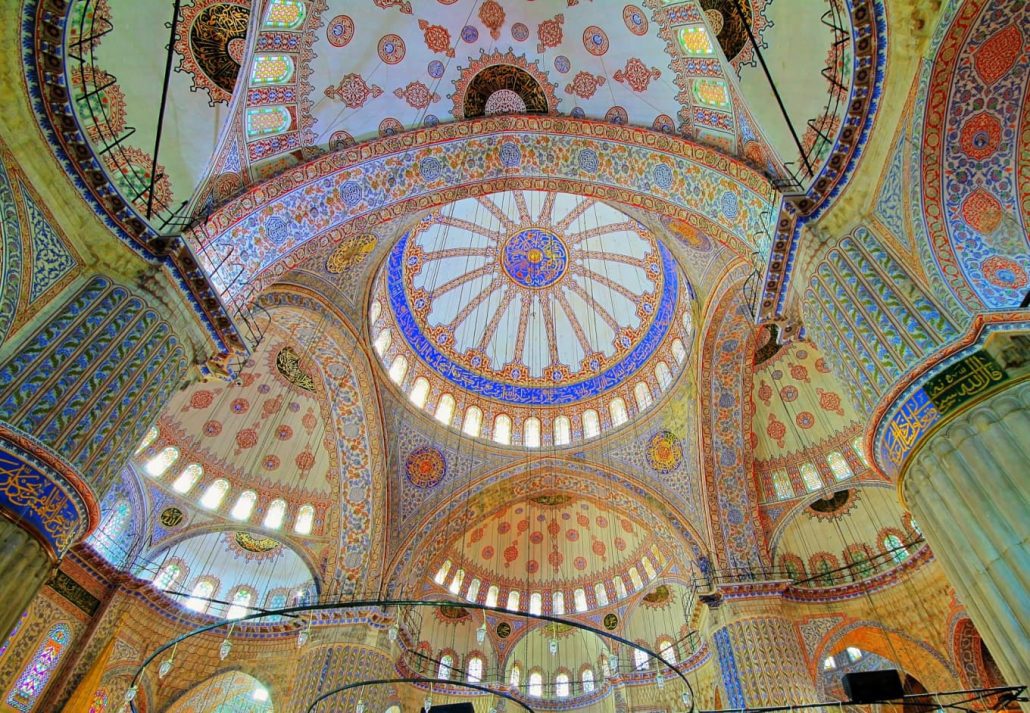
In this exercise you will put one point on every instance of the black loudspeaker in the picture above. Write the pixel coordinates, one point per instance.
(453, 708)
(872, 686)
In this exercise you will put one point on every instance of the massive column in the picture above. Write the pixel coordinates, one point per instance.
(966, 485)
(79, 386)
(761, 659)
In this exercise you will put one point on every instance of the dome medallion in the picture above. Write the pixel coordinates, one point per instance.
(534, 258)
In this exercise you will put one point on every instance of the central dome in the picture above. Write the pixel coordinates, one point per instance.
(533, 299)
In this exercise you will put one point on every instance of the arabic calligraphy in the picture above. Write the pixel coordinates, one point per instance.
(38, 501)
(912, 420)
(964, 380)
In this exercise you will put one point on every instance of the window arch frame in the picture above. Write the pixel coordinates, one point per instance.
(58, 636)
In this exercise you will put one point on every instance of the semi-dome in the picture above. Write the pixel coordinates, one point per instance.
(531, 305)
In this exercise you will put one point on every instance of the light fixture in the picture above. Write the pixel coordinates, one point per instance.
(552, 646)
(165, 667)
(660, 680)
(613, 663)
(393, 632)
(427, 703)
(225, 649)
(481, 632)
(360, 707)
(130, 695)
(685, 697)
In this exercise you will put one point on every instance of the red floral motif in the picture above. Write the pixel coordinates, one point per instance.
(635, 19)
(996, 56)
(580, 563)
(598, 548)
(438, 39)
(284, 433)
(305, 461)
(200, 400)
(584, 85)
(212, 428)
(536, 537)
(572, 535)
(532, 566)
(239, 406)
(765, 392)
(805, 420)
(555, 558)
(391, 49)
(511, 553)
(636, 74)
(595, 40)
(982, 211)
(627, 526)
(504, 528)
(491, 14)
(550, 32)
(353, 91)
(980, 136)
(390, 126)
(1004, 272)
(309, 421)
(821, 367)
(402, 5)
(789, 393)
(487, 552)
(799, 372)
(830, 401)
(523, 525)
(270, 462)
(582, 520)
(620, 544)
(417, 95)
(776, 430)
(340, 31)
(601, 521)
(476, 535)
(553, 528)
(270, 407)
(247, 438)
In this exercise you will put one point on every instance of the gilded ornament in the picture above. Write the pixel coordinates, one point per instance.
(350, 253)
(288, 364)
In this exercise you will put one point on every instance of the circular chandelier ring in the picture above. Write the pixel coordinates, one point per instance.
(442, 681)
(384, 603)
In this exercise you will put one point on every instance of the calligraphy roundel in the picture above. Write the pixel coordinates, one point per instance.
(535, 258)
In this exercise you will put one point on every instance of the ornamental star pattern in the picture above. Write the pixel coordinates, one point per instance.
(353, 91)
(636, 74)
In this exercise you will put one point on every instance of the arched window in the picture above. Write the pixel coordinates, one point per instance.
(285, 14)
(513, 601)
(419, 392)
(649, 568)
(36, 674)
(492, 593)
(270, 69)
(562, 431)
(473, 593)
(663, 375)
(810, 477)
(157, 465)
(829, 664)
(187, 478)
(617, 410)
(893, 545)
(459, 579)
(634, 577)
(606, 668)
(620, 587)
(241, 600)
(168, 575)
(374, 311)
(536, 684)
(601, 594)
(531, 432)
(516, 676)
(473, 424)
(398, 370)
(587, 677)
(502, 429)
(854, 654)
(561, 685)
(305, 520)
(579, 599)
(781, 485)
(857, 446)
(475, 669)
(536, 603)
(840, 468)
(244, 505)
(640, 660)
(591, 424)
(642, 394)
(558, 603)
(100, 700)
(203, 590)
(667, 651)
(382, 342)
(214, 494)
(445, 409)
(679, 352)
(275, 515)
(107, 538)
(149, 438)
(446, 665)
(688, 320)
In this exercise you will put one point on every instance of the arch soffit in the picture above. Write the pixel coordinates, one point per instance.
(294, 216)
(514, 482)
(184, 702)
(799, 507)
(367, 481)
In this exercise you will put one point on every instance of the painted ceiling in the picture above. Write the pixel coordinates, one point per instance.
(555, 541)
(533, 298)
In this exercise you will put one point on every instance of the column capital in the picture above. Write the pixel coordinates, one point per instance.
(43, 495)
(969, 370)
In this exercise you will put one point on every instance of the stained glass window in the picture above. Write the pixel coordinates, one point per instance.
(473, 592)
(893, 545)
(459, 578)
(620, 587)
(241, 600)
(588, 680)
(617, 410)
(536, 685)
(419, 392)
(562, 431)
(513, 601)
(157, 465)
(649, 568)
(491, 595)
(147, 440)
(536, 603)
(36, 674)
(14, 632)
(531, 432)
(839, 466)
(202, 592)
(502, 429)
(168, 575)
(305, 520)
(107, 538)
(398, 370)
(662, 373)
(187, 478)
(579, 598)
(591, 424)
(244, 505)
(446, 663)
(561, 685)
(516, 676)
(601, 594)
(382, 342)
(445, 409)
(214, 494)
(100, 699)
(679, 351)
(475, 669)
(473, 421)
(781, 484)
(640, 659)
(810, 477)
(275, 515)
(441, 574)
(285, 14)
(558, 603)
(634, 577)
(642, 394)
(857, 445)
(854, 654)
